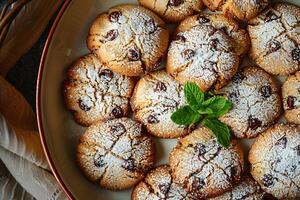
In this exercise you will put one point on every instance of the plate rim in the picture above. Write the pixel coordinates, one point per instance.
(39, 102)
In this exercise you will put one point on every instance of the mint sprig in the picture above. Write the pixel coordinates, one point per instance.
(204, 108)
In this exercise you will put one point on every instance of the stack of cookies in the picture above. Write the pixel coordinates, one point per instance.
(124, 93)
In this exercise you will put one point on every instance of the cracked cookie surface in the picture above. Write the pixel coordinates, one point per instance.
(244, 9)
(94, 93)
(131, 40)
(291, 98)
(115, 153)
(256, 102)
(156, 96)
(214, 5)
(247, 189)
(275, 39)
(275, 159)
(173, 10)
(203, 167)
(229, 26)
(202, 54)
(159, 184)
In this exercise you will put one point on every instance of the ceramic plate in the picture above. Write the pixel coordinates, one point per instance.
(59, 132)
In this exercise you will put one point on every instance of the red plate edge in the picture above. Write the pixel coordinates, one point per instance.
(38, 102)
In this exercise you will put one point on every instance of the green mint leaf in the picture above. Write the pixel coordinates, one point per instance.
(193, 95)
(219, 105)
(219, 129)
(185, 116)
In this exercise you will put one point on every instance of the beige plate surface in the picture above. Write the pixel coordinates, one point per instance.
(60, 132)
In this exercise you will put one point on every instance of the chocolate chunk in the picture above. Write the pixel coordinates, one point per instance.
(214, 43)
(114, 16)
(164, 188)
(160, 86)
(238, 77)
(266, 91)
(268, 180)
(128, 164)
(270, 16)
(296, 54)
(152, 119)
(291, 102)
(254, 123)
(175, 2)
(297, 149)
(107, 74)
(273, 45)
(201, 149)
(150, 24)
(110, 35)
(233, 171)
(98, 160)
(118, 129)
(282, 142)
(198, 183)
(188, 54)
(134, 55)
(202, 19)
(117, 112)
(83, 106)
(180, 38)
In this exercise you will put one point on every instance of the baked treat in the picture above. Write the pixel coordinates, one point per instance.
(156, 96)
(244, 9)
(94, 93)
(275, 158)
(202, 54)
(214, 5)
(130, 39)
(159, 184)
(290, 98)
(275, 39)
(228, 26)
(247, 189)
(115, 153)
(203, 167)
(256, 102)
(173, 10)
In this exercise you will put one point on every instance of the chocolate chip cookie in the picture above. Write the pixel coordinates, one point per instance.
(275, 159)
(256, 102)
(203, 167)
(229, 26)
(275, 39)
(159, 184)
(202, 54)
(214, 5)
(244, 9)
(156, 96)
(131, 40)
(115, 153)
(173, 10)
(291, 98)
(93, 92)
(247, 189)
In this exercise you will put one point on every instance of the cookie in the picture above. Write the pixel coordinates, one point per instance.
(247, 189)
(93, 92)
(159, 184)
(214, 5)
(131, 40)
(173, 10)
(256, 102)
(203, 167)
(244, 9)
(275, 39)
(290, 97)
(202, 54)
(275, 158)
(115, 153)
(156, 96)
(229, 26)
